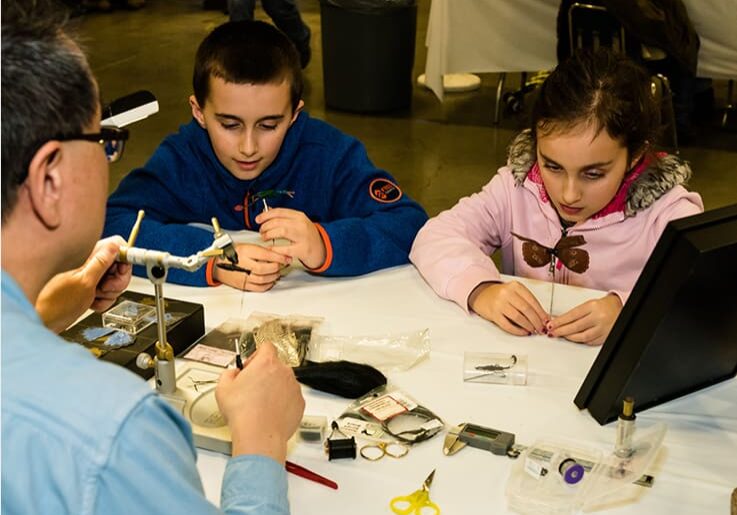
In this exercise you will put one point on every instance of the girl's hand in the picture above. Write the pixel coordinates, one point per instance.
(264, 265)
(511, 306)
(306, 242)
(589, 322)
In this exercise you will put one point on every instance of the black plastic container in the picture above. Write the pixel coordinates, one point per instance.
(368, 50)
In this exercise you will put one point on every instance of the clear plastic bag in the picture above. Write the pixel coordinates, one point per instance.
(290, 334)
(389, 414)
(388, 352)
(544, 479)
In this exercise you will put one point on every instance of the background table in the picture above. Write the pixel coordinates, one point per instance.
(487, 36)
(695, 471)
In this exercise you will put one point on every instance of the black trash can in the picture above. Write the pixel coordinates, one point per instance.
(368, 50)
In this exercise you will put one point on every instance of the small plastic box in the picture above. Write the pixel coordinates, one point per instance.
(312, 428)
(496, 368)
(129, 316)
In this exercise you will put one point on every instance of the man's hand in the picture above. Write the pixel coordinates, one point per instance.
(262, 403)
(306, 242)
(511, 306)
(264, 265)
(95, 285)
(589, 322)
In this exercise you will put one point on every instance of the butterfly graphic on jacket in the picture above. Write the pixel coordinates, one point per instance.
(536, 254)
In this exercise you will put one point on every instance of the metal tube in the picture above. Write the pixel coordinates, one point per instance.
(165, 372)
(625, 429)
(166, 382)
(160, 315)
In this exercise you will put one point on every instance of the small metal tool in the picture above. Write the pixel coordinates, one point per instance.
(552, 285)
(496, 442)
(238, 358)
(196, 383)
(232, 267)
(266, 210)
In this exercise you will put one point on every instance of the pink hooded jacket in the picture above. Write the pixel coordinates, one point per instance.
(452, 250)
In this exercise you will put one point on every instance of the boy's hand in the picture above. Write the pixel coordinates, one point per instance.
(510, 305)
(95, 285)
(306, 242)
(264, 265)
(589, 322)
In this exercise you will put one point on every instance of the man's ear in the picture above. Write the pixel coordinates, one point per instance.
(197, 111)
(298, 110)
(45, 183)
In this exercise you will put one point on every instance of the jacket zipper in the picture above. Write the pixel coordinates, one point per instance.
(246, 210)
(554, 259)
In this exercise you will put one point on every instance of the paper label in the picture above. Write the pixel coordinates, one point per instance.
(404, 400)
(385, 407)
(352, 426)
(535, 468)
(212, 355)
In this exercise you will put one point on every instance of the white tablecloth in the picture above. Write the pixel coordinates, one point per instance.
(487, 36)
(695, 471)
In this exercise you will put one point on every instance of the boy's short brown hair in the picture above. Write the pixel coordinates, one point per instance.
(247, 52)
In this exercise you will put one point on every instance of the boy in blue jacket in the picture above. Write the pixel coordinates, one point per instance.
(255, 160)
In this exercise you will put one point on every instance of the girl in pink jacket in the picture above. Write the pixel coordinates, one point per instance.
(582, 200)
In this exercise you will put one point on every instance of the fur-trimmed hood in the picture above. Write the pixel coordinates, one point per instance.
(663, 174)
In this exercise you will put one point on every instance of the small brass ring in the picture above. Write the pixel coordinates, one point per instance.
(380, 455)
(387, 450)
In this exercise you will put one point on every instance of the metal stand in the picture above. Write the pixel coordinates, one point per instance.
(157, 265)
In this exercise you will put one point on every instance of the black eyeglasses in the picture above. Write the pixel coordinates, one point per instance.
(111, 138)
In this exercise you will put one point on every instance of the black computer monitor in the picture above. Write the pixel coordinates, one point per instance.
(677, 332)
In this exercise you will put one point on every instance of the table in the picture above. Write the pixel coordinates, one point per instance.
(487, 36)
(695, 472)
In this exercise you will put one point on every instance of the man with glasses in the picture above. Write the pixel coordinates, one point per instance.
(112, 140)
(80, 435)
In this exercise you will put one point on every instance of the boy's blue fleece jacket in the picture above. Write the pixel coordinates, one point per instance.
(368, 222)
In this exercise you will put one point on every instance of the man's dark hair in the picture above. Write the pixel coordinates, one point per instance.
(47, 87)
(247, 52)
(607, 90)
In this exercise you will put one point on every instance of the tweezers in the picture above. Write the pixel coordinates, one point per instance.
(300, 471)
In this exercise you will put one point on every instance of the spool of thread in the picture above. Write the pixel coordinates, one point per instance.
(340, 448)
(571, 470)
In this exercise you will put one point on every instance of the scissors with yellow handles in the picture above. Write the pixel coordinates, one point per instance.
(416, 503)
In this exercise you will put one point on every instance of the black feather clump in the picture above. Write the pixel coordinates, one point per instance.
(344, 378)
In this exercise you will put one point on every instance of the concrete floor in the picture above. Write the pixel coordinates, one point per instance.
(438, 152)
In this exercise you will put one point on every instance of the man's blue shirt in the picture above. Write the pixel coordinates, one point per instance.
(82, 436)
